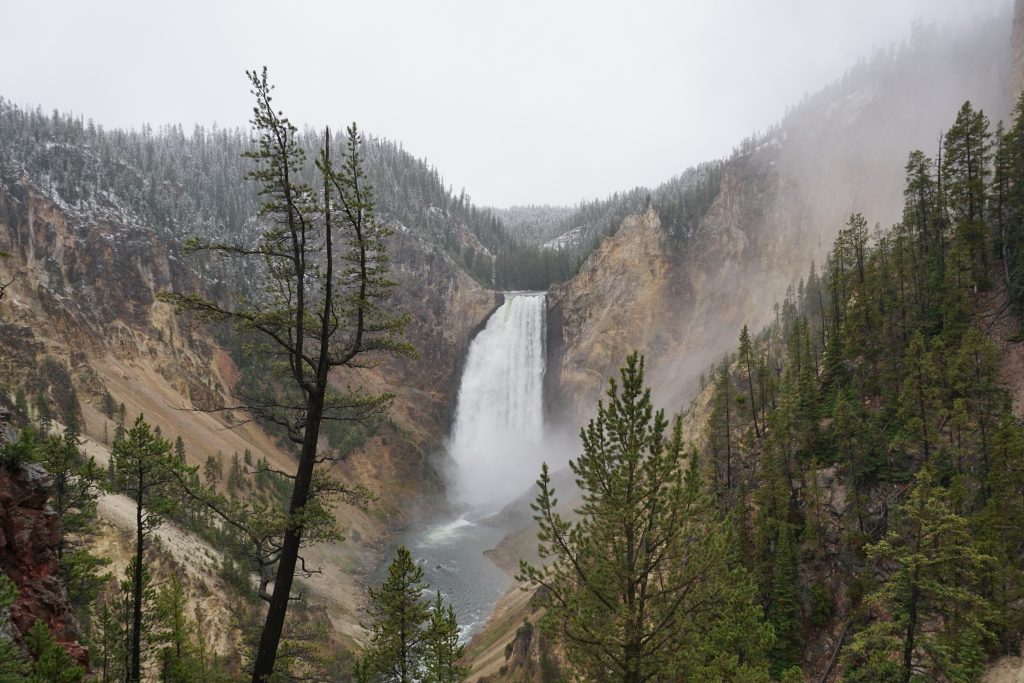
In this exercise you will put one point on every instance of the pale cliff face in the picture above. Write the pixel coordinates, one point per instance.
(614, 305)
(681, 303)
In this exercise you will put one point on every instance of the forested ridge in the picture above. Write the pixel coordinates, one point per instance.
(865, 443)
(182, 184)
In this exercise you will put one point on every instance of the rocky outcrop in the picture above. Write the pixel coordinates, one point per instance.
(617, 303)
(29, 533)
(446, 308)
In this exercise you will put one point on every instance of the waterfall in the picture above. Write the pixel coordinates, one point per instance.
(498, 430)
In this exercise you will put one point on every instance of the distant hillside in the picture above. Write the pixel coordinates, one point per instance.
(723, 242)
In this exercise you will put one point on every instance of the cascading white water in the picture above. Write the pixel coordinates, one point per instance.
(499, 420)
(496, 443)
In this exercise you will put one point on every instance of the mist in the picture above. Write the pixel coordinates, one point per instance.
(788, 191)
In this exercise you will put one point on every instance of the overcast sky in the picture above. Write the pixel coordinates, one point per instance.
(517, 101)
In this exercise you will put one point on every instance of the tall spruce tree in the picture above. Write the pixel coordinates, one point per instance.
(1011, 234)
(719, 432)
(784, 604)
(442, 645)
(5, 284)
(966, 170)
(933, 622)
(76, 482)
(747, 356)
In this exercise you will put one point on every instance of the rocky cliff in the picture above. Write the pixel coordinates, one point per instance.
(617, 302)
(82, 311)
(29, 533)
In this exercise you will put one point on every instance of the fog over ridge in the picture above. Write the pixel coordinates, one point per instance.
(525, 103)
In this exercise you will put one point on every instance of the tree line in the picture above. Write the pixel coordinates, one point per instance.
(182, 184)
(880, 379)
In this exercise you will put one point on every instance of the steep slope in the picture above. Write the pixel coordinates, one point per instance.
(83, 307)
(80, 325)
(681, 295)
(29, 530)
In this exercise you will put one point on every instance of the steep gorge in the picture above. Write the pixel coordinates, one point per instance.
(82, 309)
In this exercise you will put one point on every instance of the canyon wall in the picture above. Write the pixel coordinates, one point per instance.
(784, 195)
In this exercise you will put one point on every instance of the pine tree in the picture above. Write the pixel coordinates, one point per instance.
(236, 476)
(107, 405)
(105, 655)
(398, 615)
(784, 604)
(44, 416)
(854, 451)
(180, 650)
(21, 402)
(773, 502)
(931, 619)
(51, 663)
(119, 423)
(719, 432)
(747, 356)
(146, 471)
(321, 306)
(1011, 238)
(999, 528)
(75, 485)
(213, 470)
(12, 666)
(629, 581)
(920, 405)
(5, 285)
(442, 647)
(975, 378)
(174, 629)
(966, 170)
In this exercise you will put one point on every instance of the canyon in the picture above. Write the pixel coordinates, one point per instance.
(82, 314)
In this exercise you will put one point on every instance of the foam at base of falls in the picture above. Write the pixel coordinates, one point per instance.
(499, 422)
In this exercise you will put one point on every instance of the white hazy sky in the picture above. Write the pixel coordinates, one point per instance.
(517, 101)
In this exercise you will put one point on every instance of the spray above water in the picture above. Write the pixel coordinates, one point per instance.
(497, 437)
